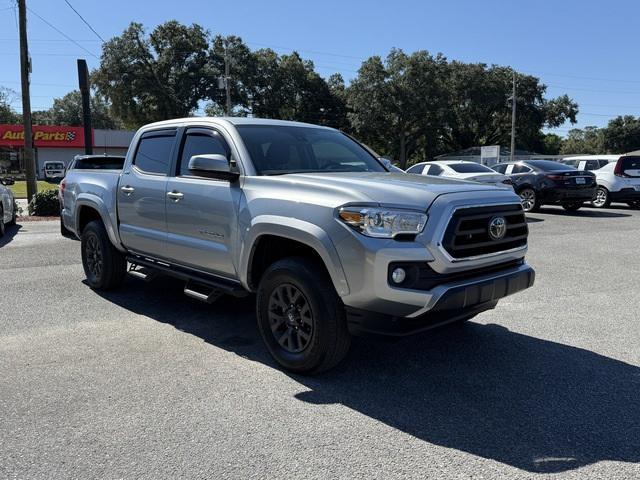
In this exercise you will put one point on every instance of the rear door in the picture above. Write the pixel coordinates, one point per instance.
(142, 191)
(201, 212)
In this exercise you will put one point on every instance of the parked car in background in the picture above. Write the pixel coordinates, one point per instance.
(331, 242)
(461, 170)
(618, 181)
(7, 205)
(53, 170)
(540, 182)
(589, 162)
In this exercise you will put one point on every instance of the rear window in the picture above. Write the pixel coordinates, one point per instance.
(631, 166)
(470, 168)
(54, 166)
(99, 163)
(548, 165)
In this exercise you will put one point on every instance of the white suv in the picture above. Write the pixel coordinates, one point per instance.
(618, 182)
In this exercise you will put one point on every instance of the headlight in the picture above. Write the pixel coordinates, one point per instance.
(383, 223)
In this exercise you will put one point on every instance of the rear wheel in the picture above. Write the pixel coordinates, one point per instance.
(300, 316)
(602, 198)
(104, 266)
(572, 207)
(529, 200)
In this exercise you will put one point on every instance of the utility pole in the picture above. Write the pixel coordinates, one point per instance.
(83, 83)
(25, 70)
(513, 118)
(226, 77)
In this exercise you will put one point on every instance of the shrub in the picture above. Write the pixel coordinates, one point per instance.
(45, 204)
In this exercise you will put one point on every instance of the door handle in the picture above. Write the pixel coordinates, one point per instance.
(175, 196)
(127, 190)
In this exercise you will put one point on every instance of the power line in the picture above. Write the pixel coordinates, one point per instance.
(63, 34)
(85, 22)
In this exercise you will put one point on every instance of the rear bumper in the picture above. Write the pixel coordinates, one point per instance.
(451, 302)
(625, 195)
(559, 195)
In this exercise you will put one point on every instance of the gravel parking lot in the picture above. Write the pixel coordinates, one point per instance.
(147, 383)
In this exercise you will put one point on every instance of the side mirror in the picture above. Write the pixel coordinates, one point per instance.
(8, 181)
(386, 162)
(212, 166)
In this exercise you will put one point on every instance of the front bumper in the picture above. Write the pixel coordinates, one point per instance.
(449, 303)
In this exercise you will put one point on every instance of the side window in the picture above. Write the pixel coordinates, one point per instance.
(436, 170)
(416, 169)
(154, 153)
(201, 142)
(592, 165)
(521, 169)
(500, 168)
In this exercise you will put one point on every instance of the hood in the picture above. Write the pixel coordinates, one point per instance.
(384, 188)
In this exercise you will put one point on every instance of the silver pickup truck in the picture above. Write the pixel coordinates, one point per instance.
(331, 242)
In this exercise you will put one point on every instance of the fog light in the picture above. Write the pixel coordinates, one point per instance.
(398, 275)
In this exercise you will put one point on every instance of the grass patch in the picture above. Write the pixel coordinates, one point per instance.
(19, 189)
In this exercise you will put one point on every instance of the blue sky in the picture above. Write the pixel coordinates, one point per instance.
(587, 49)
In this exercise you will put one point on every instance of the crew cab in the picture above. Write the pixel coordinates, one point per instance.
(331, 242)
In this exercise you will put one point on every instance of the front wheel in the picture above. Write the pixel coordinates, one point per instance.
(301, 318)
(529, 200)
(602, 198)
(572, 207)
(104, 266)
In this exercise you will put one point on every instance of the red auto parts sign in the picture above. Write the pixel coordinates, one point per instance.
(43, 136)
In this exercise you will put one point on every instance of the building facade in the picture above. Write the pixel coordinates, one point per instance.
(56, 143)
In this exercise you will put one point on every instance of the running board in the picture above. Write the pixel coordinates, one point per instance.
(201, 292)
(205, 284)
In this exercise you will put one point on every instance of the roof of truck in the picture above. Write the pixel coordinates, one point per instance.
(233, 121)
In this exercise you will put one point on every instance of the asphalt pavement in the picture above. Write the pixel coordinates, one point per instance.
(147, 383)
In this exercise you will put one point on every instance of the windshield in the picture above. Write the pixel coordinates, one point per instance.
(470, 168)
(279, 149)
(548, 165)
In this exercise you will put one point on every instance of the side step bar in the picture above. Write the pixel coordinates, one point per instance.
(200, 286)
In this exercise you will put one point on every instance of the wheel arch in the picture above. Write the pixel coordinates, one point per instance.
(88, 209)
(280, 237)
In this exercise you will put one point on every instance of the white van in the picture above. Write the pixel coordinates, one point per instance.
(53, 169)
(589, 162)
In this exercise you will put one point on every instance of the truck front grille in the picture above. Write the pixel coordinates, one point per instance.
(467, 234)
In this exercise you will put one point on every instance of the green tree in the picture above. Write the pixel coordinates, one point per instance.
(551, 144)
(7, 113)
(589, 140)
(622, 134)
(68, 111)
(397, 105)
(157, 77)
(480, 109)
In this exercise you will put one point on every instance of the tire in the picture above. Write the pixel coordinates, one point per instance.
(64, 231)
(104, 266)
(572, 207)
(602, 198)
(529, 200)
(634, 205)
(14, 217)
(296, 299)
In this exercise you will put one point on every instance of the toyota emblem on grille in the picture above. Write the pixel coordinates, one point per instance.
(497, 228)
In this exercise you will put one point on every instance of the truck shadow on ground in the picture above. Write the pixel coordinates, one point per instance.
(583, 212)
(10, 232)
(530, 403)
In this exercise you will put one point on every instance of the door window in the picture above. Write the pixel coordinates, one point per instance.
(500, 168)
(416, 169)
(520, 169)
(154, 153)
(201, 143)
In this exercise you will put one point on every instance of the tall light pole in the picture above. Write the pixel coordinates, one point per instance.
(226, 78)
(25, 70)
(513, 118)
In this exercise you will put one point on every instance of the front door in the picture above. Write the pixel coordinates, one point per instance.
(201, 212)
(142, 193)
